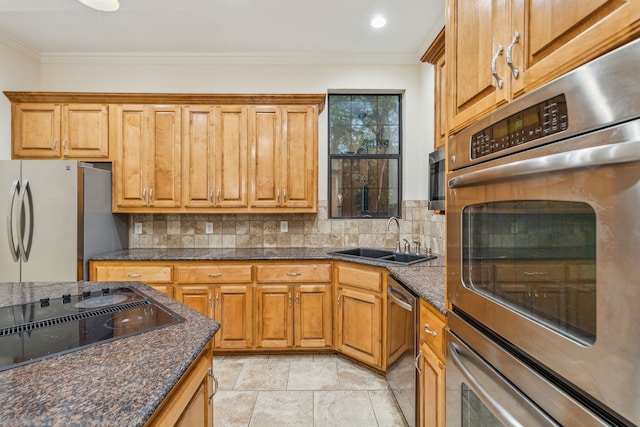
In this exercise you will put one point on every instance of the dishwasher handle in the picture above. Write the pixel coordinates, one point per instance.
(399, 297)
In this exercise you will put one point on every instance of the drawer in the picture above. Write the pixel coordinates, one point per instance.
(360, 278)
(215, 274)
(135, 272)
(432, 325)
(293, 273)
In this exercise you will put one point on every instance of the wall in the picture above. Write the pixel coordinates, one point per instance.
(20, 70)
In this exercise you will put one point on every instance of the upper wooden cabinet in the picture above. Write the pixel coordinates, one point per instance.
(147, 170)
(499, 49)
(284, 158)
(215, 156)
(436, 55)
(55, 131)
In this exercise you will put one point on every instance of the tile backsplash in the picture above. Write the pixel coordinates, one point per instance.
(304, 230)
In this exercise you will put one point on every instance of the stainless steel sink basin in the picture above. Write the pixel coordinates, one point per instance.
(383, 255)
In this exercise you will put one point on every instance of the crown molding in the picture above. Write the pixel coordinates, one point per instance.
(19, 46)
(262, 58)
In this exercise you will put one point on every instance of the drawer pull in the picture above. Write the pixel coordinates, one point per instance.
(134, 274)
(214, 274)
(292, 274)
(429, 331)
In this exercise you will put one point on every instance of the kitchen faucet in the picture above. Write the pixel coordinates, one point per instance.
(393, 218)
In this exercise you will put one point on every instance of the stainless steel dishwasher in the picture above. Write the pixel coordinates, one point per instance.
(402, 317)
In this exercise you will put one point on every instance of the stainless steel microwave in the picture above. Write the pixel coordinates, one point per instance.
(437, 187)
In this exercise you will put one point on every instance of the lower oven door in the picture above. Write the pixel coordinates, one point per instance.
(488, 386)
(542, 250)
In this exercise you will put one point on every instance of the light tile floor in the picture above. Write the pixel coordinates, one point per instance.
(301, 390)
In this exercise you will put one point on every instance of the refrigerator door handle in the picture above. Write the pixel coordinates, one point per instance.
(13, 248)
(25, 251)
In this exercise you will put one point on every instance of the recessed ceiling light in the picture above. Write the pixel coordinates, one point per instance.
(102, 5)
(378, 21)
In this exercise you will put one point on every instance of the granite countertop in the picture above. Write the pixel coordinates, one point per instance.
(115, 383)
(426, 279)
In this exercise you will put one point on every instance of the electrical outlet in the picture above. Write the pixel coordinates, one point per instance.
(208, 228)
(137, 228)
(284, 226)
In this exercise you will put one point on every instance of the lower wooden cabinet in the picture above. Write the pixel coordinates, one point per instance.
(431, 385)
(190, 402)
(229, 305)
(359, 325)
(293, 316)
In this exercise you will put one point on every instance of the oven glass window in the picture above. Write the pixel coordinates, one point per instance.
(537, 257)
(474, 412)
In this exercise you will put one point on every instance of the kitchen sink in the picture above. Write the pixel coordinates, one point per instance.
(383, 255)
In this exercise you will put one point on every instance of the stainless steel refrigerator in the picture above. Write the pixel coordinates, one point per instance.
(54, 216)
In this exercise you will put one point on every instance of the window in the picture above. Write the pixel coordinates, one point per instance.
(364, 155)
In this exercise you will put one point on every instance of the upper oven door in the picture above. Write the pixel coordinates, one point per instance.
(542, 250)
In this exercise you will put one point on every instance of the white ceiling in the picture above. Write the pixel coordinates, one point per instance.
(297, 30)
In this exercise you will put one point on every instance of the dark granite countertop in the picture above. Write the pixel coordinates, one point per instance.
(426, 279)
(115, 383)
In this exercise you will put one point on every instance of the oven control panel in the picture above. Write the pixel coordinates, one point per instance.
(538, 121)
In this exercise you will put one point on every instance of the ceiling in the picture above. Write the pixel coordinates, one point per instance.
(291, 30)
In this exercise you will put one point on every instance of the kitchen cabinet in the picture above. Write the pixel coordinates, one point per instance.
(283, 170)
(158, 275)
(293, 305)
(431, 364)
(499, 49)
(60, 131)
(435, 55)
(190, 402)
(215, 156)
(147, 170)
(359, 313)
(223, 292)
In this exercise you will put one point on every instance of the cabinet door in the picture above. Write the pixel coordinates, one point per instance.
(36, 131)
(274, 316)
(198, 142)
(474, 36)
(231, 156)
(556, 37)
(360, 325)
(313, 316)
(266, 145)
(299, 158)
(130, 132)
(431, 384)
(164, 147)
(233, 310)
(198, 298)
(85, 131)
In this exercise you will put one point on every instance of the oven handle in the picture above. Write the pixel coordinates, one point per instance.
(495, 407)
(582, 158)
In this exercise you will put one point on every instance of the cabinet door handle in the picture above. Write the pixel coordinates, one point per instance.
(494, 73)
(214, 275)
(514, 70)
(210, 302)
(64, 145)
(211, 195)
(215, 386)
(429, 331)
(217, 299)
(417, 361)
(284, 197)
(134, 274)
(144, 195)
(298, 299)
(290, 300)
(55, 144)
(294, 274)
(218, 196)
(151, 196)
(339, 296)
(278, 195)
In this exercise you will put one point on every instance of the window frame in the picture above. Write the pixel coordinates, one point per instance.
(354, 156)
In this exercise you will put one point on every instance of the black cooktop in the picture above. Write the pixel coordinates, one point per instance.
(52, 326)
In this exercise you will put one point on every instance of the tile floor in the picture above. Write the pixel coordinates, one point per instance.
(301, 390)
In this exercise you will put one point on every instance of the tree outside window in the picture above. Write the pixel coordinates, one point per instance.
(364, 155)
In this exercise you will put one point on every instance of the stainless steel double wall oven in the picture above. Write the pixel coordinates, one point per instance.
(543, 255)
